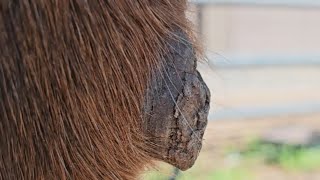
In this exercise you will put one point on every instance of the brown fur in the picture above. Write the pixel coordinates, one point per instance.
(73, 75)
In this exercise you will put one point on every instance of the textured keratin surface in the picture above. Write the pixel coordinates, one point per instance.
(177, 107)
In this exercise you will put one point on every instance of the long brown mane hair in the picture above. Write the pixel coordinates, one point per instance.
(73, 75)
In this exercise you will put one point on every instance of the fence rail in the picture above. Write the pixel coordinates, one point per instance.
(297, 3)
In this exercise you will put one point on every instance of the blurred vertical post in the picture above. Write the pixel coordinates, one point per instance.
(175, 174)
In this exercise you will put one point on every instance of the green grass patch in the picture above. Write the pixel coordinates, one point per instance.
(220, 174)
(230, 174)
(288, 157)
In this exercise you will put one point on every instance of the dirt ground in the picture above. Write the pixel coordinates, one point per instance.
(235, 132)
(223, 135)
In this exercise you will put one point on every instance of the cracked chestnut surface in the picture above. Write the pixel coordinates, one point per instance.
(177, 106)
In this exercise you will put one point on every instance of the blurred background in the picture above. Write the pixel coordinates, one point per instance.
(263, 70)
